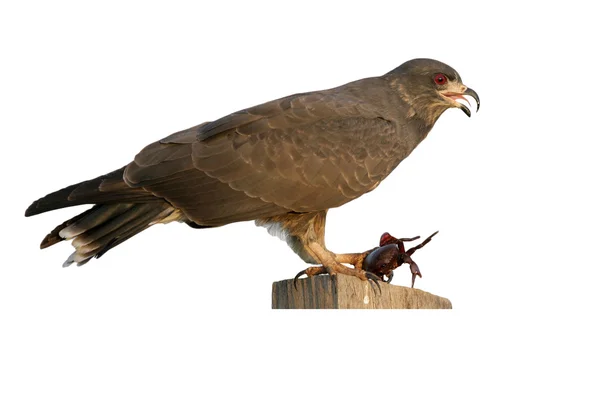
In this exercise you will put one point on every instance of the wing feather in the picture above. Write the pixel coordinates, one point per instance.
(302, 153)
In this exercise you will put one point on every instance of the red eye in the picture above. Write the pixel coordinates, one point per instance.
(440, 79)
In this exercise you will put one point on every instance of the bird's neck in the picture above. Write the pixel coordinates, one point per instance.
(418, 107)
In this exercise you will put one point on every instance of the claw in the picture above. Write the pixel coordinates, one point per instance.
(389, 277)
(373, 279)
(414, 269)
(310, 271)
(298, 275)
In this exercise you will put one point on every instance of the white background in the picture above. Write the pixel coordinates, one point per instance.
(179, 313)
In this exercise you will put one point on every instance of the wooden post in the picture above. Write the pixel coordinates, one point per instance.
(350, 292)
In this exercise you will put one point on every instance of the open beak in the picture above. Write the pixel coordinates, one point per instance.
(467, 92)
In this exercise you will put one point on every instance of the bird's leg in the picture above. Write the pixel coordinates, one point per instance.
(306, 235)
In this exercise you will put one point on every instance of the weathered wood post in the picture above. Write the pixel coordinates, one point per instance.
(350, 292)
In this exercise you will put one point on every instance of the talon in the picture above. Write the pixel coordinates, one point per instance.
(390, 276)
(373, 279)
(298, 275)
(310, 271)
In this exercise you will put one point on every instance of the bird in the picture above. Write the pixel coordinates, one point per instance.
(283, 164)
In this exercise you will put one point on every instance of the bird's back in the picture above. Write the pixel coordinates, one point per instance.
(302, 153)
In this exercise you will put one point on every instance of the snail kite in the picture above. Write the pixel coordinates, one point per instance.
(283, 164)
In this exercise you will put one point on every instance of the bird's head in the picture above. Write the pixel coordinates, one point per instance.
(430, 87)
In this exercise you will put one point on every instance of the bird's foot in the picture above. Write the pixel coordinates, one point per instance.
(339, 269)
(356, 259)
(332, 265)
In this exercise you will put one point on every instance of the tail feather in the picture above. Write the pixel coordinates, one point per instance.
(119, 213)
(134, 230)
(109, 233)
(54, 237)
(91, 239)
(105, 189)
(95, 218)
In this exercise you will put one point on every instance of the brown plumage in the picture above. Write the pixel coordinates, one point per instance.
(283, 163)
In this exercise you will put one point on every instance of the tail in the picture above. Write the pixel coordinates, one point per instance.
(106, 189)
(119, 213)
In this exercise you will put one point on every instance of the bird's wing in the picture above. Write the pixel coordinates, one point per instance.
(302, 153)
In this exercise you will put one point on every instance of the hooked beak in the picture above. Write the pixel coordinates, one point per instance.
(453, 96)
